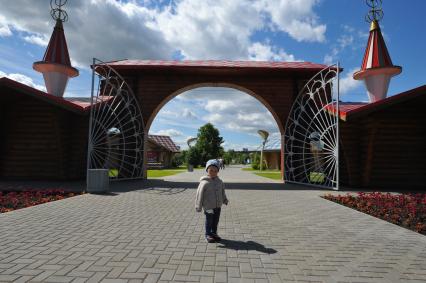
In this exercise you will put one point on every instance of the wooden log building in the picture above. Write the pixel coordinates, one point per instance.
(383, 144)
(42, 136)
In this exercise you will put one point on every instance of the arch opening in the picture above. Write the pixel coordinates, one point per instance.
(236, 111)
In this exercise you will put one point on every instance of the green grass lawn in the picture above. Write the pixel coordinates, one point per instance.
(156, 173)
(271, 174)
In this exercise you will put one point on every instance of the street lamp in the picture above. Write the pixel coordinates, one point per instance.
(264, 134)
(190, 140)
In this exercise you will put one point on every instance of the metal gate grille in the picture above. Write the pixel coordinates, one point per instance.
(311, 148)
(116, 130)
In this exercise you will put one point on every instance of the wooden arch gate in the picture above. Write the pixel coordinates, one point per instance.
(275, 84)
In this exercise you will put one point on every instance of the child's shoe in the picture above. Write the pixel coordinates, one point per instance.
(216, 237)
(210, 239)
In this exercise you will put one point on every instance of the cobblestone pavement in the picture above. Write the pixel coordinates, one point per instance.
(232, 174)
(154, 235)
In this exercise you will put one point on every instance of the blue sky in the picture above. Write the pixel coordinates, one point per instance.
(323, 31)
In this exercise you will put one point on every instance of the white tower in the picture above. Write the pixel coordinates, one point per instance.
(56, 65)
(377, 68)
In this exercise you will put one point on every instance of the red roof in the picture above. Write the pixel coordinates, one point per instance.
(57, 50)
(351, 110)
(164, 141)
(376, 56)
(75, 104)
(140, 64)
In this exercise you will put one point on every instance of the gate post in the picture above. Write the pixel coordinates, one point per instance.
(282, 158)
(145, 155)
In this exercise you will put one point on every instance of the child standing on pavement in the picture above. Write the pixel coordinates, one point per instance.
(210, 197)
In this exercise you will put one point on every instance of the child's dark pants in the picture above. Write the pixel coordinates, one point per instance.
(212, 220)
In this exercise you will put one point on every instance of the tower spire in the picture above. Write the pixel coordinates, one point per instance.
(56, 65)
(377, 68)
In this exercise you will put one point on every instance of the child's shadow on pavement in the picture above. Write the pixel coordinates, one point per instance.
(249, 246)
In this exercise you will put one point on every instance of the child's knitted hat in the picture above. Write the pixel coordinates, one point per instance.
(212, 162)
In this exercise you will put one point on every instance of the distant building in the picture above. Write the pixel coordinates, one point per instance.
(272, 153)
(160, 151)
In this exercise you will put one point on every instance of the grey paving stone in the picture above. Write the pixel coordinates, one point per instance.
(220, 276)
(97, 277)
(115, 280)
(8, 278)
(23, 279)
(186, 278)
(154, 234)
(42, 277)
(58, 279)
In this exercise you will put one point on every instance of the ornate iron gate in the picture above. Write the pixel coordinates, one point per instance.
(116, 130)
(311, 147)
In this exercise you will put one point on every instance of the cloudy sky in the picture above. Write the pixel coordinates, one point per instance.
(320, 31)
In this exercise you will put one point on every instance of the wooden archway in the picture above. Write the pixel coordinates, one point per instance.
(274, 84)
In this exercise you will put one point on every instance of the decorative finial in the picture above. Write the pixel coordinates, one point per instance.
(56, 64)
(57, 13)
(376, 12)
(377, 68)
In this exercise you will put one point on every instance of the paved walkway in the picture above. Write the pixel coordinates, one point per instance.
(231, 174)
(150, 232)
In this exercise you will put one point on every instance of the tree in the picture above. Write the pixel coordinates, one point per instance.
(178, 159)
(229, 156)
(193, 157)
(208, 143)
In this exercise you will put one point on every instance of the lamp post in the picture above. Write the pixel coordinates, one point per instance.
(264, 134)
(189, 141)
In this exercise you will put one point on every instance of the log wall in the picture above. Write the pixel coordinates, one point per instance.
(41, 141)
(386, 149)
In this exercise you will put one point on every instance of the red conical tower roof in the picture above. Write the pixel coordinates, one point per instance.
(376, 57)
(56, 55)
(57, 50)
(56, 65)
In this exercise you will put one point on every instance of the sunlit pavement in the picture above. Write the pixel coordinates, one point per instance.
(150, 232)
(231, 174)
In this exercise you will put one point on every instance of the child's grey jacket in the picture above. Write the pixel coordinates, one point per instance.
(210, 194)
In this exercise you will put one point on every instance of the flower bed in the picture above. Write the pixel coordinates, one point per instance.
(406, 210)
(12, 200)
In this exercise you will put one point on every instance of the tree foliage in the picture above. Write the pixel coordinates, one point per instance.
(208, 143)
(193, 157)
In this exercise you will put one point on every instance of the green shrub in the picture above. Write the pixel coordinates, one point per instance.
(193, 157)
(177, 160)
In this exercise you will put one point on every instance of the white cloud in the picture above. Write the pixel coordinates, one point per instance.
(169, 132)
(4, 27)
(179, 113)
(239, 146)
(350, 38)
(348, 84)
(295, 17)
(329, 59)
(220, 29)
(104, 29)
(215, 118)
(231, 109)
(210, 29)
(265, 52)
(37, 39)
(345, 40)
(24, 80)
(188, 114)
(220, 105)
(182, 142)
